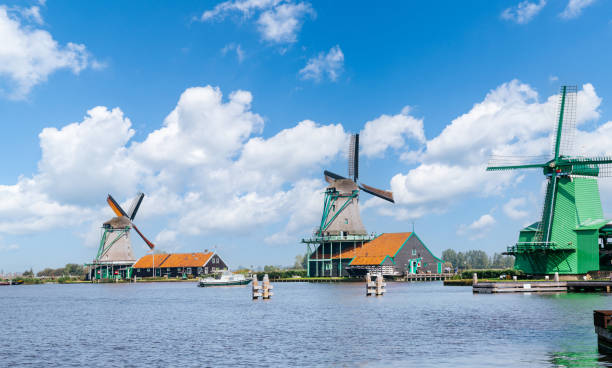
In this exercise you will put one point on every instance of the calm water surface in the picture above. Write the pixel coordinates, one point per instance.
(320, 325)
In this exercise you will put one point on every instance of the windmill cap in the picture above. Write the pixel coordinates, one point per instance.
(117, 222)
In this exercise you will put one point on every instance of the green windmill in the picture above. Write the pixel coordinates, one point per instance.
(572, 234)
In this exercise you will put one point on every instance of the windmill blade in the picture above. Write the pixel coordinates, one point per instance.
(564, 133)
(115, 207)
(151, 245)
(330, 177)
(353, 161)
(135, 205)
(589, 166)
(386, 195)
(548, 210)
(501, 163)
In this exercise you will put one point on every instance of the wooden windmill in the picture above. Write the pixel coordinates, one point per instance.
(115, 255)
(567, 237)
(341, 202)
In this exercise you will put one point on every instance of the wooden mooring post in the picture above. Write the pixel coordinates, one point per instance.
(264, 290)
(256, 288)
(266, 287)
(377, 287)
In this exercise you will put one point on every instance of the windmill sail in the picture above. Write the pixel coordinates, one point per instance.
(564, 133)
(386, 195)
(544, 227)
(120, 212)
(135, 205)
(353, 161)
(332, 176)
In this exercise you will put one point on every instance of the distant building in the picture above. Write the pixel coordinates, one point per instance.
(178, 265)
(394, 254)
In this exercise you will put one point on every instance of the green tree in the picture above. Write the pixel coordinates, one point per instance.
(28, 273)
(450, 255)
(47, 272)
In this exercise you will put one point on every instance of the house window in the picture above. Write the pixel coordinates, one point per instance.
(346, 221)
(414, 252)
(148, 270)
(205, 269)
(188, 269)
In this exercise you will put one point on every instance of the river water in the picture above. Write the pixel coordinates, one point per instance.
(318, 325)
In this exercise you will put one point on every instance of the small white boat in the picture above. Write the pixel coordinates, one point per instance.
(226, 278)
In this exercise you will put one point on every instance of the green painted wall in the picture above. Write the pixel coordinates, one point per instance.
(576, 250)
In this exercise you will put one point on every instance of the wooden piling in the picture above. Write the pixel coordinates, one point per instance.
(375, 287)
(266, 288)
(256, 288)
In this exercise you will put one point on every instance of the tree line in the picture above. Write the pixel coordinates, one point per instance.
(71, 269)
(476, 259)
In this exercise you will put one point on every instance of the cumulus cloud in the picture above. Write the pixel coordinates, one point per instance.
(391, 132)
(524, 12)
(28, 55)
(512, 208)
(205, 169)
(279, 21)
(328, 65)
(574, 8)
(510, 120)
(478, 228)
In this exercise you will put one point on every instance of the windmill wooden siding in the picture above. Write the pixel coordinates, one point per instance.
(395, 254)
(179, 264)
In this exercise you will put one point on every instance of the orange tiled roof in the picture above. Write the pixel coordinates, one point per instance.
(375, 251)
(147, 261)
(187, 259)
(347, 253)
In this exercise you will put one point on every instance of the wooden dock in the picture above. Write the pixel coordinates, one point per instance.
(412, 277)
(519, 287)
(527, 286)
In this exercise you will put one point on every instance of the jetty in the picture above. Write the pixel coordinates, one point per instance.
(601, 286)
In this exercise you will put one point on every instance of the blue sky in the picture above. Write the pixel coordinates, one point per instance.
(226, 113)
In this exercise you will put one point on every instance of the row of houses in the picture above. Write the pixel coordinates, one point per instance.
(160, 265)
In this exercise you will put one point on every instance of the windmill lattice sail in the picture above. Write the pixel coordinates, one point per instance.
(571, 226)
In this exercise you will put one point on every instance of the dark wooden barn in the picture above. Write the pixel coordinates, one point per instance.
(178, 265)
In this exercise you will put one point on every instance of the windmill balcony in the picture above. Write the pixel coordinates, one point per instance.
(522, 247)
(329, 238)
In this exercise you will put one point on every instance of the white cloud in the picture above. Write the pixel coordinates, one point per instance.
(81, 161)
(509, 121)
(23, 209)
(479, 228)
(512, 210)
(29, 55)
(330, 65)
(279, 21)
(574, 8)
(524, 12)
(206, 169)
(282, 23)
(391, 132)
(236, 48)
(201, 130)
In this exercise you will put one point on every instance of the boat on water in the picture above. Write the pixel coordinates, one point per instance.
(603, 327)
(226, 278)
(11, 282)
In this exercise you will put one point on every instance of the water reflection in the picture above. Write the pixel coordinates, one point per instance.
(317, 325)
